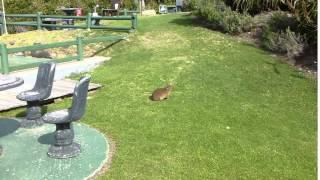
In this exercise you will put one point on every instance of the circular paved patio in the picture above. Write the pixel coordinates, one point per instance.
(24, 153)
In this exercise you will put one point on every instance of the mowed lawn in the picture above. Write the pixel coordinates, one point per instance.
(236, 111)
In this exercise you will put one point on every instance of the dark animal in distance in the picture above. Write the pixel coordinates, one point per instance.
(40, 53)
(161, 93)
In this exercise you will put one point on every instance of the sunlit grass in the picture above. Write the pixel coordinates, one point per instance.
(235, 112)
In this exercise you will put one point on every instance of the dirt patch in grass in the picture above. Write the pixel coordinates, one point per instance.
(47, 37)
(157, 41)
(44, 37)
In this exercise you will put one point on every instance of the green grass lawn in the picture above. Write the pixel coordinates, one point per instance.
(236, 112)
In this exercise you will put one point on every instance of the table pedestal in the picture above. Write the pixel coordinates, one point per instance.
(8, 82)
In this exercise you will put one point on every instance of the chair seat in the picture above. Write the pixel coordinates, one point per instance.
(57, 117)
(31, 95)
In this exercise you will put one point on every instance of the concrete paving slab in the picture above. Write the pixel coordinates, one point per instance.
(62, 70)
(61, 86)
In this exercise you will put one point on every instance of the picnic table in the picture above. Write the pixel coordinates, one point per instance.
(56, 21)
(164, 9)
(69, 11)
(8, 82)
(172, 8)
(109, 12)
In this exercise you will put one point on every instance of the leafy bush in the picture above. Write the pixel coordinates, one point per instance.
(289, 42)
(234, 22)
(223, 18)
(189, 5)
(129, 4)
(280, 33)
(280, 21)
(50, 7)
(305, 12)
(151, 5)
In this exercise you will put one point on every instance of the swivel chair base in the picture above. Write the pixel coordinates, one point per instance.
(64, 146)
(30, 123)
(62, 152)
(33, 117)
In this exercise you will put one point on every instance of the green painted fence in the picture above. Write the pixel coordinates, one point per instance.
(39, 17)
(79, 42)
(126, 12)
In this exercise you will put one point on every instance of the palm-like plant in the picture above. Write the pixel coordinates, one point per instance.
(304, 10)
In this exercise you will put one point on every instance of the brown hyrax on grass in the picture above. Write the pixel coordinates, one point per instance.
(161, 93)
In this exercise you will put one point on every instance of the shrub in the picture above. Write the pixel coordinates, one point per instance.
(305, 12)
(189, 5)
(280, 33)
(151, 5)
(49, 7)
(223, 18)
(281, 20)
(235, 23)
(289, 42)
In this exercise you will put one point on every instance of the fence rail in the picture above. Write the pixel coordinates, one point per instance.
(89, 19)
(126, 11)
(79, 42)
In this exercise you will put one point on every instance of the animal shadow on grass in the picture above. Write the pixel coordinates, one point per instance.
(196, 22)
(105, 48)
(274, 66)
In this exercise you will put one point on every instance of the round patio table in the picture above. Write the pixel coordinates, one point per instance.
(69, 11)
(8, 82)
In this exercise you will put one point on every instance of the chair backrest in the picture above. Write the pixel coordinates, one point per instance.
(79, 99)
(45, 78)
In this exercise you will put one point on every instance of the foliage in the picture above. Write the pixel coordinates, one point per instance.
(129, 4)
(280, 21)
(280, 33)
(152, 5)
(223, 18)
(289, 42)
(304, 10)
(255, 5)
(189, 5)
(234, 22)
(50, 6)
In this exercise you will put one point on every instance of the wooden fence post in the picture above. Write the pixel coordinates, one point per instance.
(89, 21)
(4, 58)
(134, 21)
(1, 29)
(2, 20)
(80, 48)
(39, 22)
(1, 26)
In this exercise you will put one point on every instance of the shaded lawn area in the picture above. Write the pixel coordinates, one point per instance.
(235, 112)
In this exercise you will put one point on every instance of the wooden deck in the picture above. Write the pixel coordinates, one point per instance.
(61, 88)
